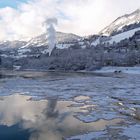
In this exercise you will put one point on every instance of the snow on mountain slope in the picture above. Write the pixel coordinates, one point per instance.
(117, 38)
(116, 31)
(96, 42)
(60, 39)
(11, 44)
(64, 46)
(121, 22)
(67, 37)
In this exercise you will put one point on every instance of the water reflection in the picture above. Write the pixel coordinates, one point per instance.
(46, 119)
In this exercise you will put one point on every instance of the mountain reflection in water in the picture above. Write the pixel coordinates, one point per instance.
(25, 119)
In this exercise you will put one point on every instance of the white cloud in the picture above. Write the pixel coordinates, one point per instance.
(82, 17)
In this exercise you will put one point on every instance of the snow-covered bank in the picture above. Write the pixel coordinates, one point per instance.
(129, 70)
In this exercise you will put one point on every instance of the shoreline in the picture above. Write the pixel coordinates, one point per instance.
(117, 72)
(27, 73)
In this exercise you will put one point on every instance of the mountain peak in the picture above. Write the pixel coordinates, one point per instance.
(137, 11)
(121, 22)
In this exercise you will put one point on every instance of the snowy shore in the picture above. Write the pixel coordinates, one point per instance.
(128, 70)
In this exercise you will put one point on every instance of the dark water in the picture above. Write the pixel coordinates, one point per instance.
(56, 106)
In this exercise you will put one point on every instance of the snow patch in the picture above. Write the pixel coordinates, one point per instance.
(96, 42)
(63, 46)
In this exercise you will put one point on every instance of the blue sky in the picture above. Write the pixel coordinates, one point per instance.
(10, 3)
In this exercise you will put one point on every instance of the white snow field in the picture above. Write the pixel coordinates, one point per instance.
(117, 38)
(122, 36)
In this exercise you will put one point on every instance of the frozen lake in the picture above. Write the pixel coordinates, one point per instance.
(71, 106)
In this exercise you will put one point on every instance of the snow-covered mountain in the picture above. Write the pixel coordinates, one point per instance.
(109, 40)
(122, 36)
(11, 44)
(39, 45)
(123, 23)
(122, 28)
(60, 38)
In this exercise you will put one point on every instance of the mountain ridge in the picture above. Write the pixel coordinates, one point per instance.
(120, 22)
(116, 31)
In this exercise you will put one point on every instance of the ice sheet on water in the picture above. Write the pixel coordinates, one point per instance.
(132, 131)
(88, 136)
(102, 97)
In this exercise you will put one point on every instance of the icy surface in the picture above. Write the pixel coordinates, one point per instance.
(133, 132)
(88, 136)
(100, 96)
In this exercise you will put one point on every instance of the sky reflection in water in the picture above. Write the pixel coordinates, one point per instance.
(21, 117)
